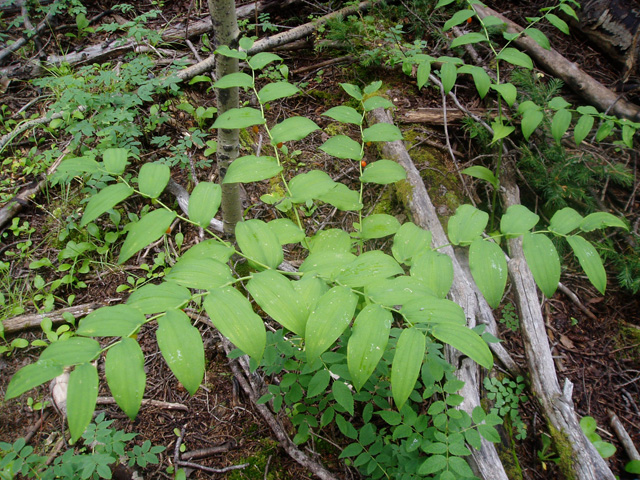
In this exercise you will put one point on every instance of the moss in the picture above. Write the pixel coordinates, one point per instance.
(564, 450)
(387, 202)
(630, 335)
(507, 453)
(336, 128)
(258, 464)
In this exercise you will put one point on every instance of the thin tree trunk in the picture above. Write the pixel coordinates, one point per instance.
(226, 32)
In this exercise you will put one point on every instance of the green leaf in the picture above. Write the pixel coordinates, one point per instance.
(518, 220)
(500, 130)
(599, 220)
(203, 274)
(560, 124)
(423, 73)
(153, 179)
(293, 128)
(465, 340)
(435, 270)
(507, 91)
(344, 114)
(565, 220)
(31, 376)
(406, 365)
(310, 186)
(159, 298)
(460, 466)
(105, 200)
(342, 197)
(633, 466)
(369, 267)
(605, 449)
(448, 75)
(588, 425)
(286, 231)
(232, 314)
(258, 242)
(376, 102)
(326, 264)
(466, 225)
(457, 18)
(236, 79)
(81, 398)
(182, 348)
(589, 261)
(443, 3)
(343, 395)
(467, 38)
(538, 37)
(114, 321)
(204, 202)
(530, 121)
(330, 317)
(558, 23)
(318, 383)
(351, 450)
(379, 225)
(409, 241)
(489, 433)
(489, 270)
(431, 310)
(276, 90)
(239, 118)
(542, 258)
(341, 146)
(309, 290)
(252, 169)
(353, 90)
(332, 240)
(481, 80)
(515, 57)
(367, 343)
(225, 51)
(262, 59)
(211, 248)
(115, 160)
(149, 229)
(582, 128)
(604, 130)
(381, 132)
(124, 369)
(483, 173)
(72, 351)
(276, 296)
(397, 291)
(373, 87)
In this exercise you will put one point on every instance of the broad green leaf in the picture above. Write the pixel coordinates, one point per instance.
(448, 75)
(467, 38)
(604, 130)
(276, 296)
(344, 114)
(379, 225)
(530, 121)
(538, 37)
(589, 261)
(153, 178)
(341, 146)
(353, 90)
(343, 395)
(204, 202)
(605, 449)
(565, 220)
(600, 220)
(200, 273)
(409, 241)
(246, 43)
(582, 128)
(211, 248)
(332, 240)
(569, 11)
(115, 160)
(481, 80)
(114, 321)
(465, 340)
(423, 73)
(443, 3)
(500, 130)
(310, 186)
(105, 200)
(435, 270)
(560, 124)
(518, 220)
(558, 23)
(397, 291)
(489, 270)
(124, 369)
(159, 298)
(457, 18)
(318, 383)
(309, 290)
(558, 103)
(466, 225)
(293, 128)
(236, 79)
(252, 169)
(81, 398)
(406, 365)
(433, 310)
(377, 101)
(182, 348)
(262, 59)
(515, 57)
(72, 351)
(507, 91)
(31, 376)
(542, 258)
(330, 317)
(367, 343)
(373, 87)
(258, 242)
(224, 50)
(342, 197)
(239, 118)
(77, 166)
(147, 230)
(483, 173)
(327, 264)
(367, 268)
(381, 132)
(286, 231)
(460, 466)
(432, 464)
(276, 90)
(232, 314)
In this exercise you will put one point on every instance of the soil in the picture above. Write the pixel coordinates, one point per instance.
(598, 353)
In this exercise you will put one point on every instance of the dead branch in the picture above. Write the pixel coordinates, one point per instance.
(147, 402)
(623, 436)
(23, 322)
(30, 32)
(435, 116)
(208, 452)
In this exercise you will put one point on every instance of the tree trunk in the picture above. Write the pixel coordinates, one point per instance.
(226, 32)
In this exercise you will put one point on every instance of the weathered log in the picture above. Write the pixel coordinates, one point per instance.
(23, 322)
(435, 116)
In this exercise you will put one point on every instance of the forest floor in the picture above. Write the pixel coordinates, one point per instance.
(599, 353)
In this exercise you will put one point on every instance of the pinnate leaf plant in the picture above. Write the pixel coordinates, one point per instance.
(358, 331)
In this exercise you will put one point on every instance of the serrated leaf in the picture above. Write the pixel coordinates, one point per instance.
(153, 179)
(275, 90)
(159, 298)
(343, 395)
(538, 37)
(483, 173)
(232, 314)
(367, 343)
(381, 132)
(124, 369)
(286, 231)
(530, 121)
(310, 186)
(204, 202)
(435, 270)
(518, 220)
(599, 220)
(590, 261)
(115, 160)
(565, 220)
(342, 197)
(544, 263)
(515, 57)
(262, 59)
(465, 340)
(147, 230)
(31, 376)
(369, 267)
(406, 365)
(252, 169)
(409, 241)
(182, 348)
(431, 310)
(105, 200)
(114, 321)
(489, 270)
(379, 225)
(466, 225)
(293, 128)
(330, 317)
(344, 114)
(258, 242)
(507, 91)
(353, 90)
(82, 394)
(239, 118)
(71, 351)
(560, 124)
(376, 102)
(341, 146)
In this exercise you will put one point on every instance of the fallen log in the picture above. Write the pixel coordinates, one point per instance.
(435, 116)
(23, 322)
